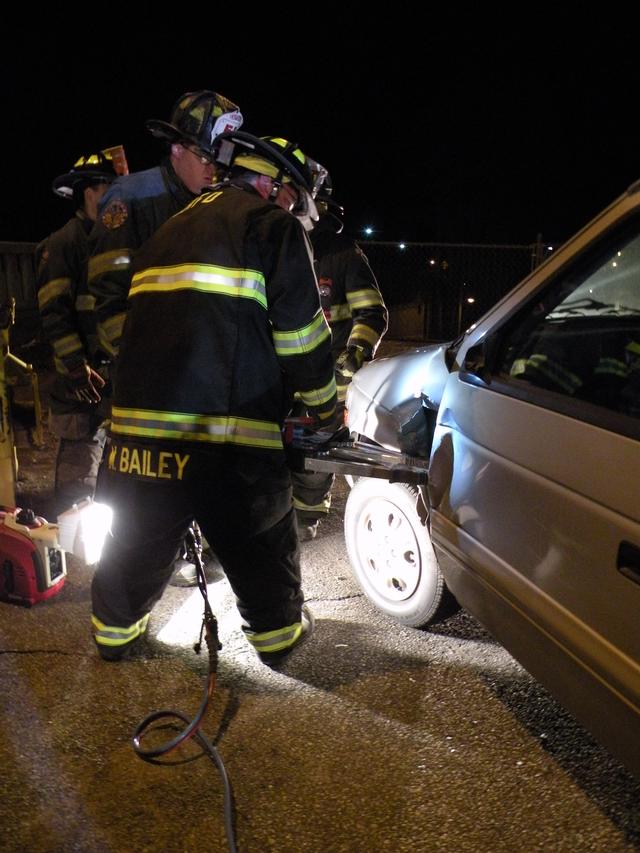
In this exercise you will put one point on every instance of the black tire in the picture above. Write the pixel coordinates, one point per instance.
(391, 554)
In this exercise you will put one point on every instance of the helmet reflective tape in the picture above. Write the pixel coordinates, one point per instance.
(258, 164)
(271, 152)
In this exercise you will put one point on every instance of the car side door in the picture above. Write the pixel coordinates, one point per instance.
(535, 481)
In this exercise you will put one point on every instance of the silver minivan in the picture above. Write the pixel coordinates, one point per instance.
(514, 477)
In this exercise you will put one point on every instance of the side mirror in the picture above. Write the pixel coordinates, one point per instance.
(475, 367)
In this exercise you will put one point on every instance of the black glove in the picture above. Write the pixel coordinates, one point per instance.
(85, 384)
(350, 361)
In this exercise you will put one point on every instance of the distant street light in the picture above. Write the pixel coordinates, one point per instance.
(368, 230)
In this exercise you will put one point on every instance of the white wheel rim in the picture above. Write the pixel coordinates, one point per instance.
(388, 549)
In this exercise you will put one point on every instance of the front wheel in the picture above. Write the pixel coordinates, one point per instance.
(391, 553)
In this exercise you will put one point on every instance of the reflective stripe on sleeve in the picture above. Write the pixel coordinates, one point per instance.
(117, 259)
(339, 312)
(364, 298)
(85, 302)
(68, 345)
(303, 340)
(56, 287)
(317, 397)
(360, 332)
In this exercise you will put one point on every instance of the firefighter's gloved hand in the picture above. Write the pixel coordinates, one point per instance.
(350, 361)
(86, 384)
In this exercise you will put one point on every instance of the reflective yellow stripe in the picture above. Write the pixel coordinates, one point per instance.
(183, 425)
(112, 635)
(319, 396)
(117, 259)
(323, 507)
(302, 340)
(555, 372)
(85, 302)
(205, 278)
(111, 331)
(339, 312)
(67, 346)
(274, 641)
(56, 287)
(364, 298)
(364, 333)
(612, 367)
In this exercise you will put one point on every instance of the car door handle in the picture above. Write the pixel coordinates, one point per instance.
(629, 561)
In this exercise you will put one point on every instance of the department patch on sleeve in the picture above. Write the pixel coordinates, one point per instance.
(115, 215)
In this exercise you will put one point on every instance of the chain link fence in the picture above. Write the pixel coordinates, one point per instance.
(433, 290)
(436, 290)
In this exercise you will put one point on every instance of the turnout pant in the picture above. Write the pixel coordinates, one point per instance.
(242, 502)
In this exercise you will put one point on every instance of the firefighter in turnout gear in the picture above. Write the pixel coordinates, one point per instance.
(358, 318)
(198, 409)
(137, 205)
(69, 322)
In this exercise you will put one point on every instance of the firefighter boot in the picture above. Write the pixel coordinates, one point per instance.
(274, 657)
(184, 571)
(307, 526)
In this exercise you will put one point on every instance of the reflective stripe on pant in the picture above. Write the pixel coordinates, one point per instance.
(274, 641)
(110, 635)
(312, 492)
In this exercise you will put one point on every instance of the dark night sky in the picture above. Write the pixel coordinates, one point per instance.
(469, 136)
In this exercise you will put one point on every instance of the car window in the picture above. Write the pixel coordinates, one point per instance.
(581, 339)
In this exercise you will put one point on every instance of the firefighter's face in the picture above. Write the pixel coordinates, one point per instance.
(192, 166)
(287, 197)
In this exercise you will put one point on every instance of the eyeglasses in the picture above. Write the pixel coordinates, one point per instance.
(204, 159)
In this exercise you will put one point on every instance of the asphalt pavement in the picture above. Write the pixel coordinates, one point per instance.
(373, 738)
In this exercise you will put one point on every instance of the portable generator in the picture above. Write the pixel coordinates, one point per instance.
(32, 564)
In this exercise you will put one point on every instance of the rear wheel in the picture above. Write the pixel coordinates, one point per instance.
(391, 553)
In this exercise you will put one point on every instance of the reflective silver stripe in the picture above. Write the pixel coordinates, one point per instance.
(364, 298)
(111, 635)
(249, 284)
(217, 430)
(302, 340)
(85, 302)
(318, 396)
(108, 261)
(274, 641)
(67, 346)
(56, 287)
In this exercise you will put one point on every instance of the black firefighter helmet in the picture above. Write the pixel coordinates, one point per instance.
(268, 155)
(102, 167)
(198, 117)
